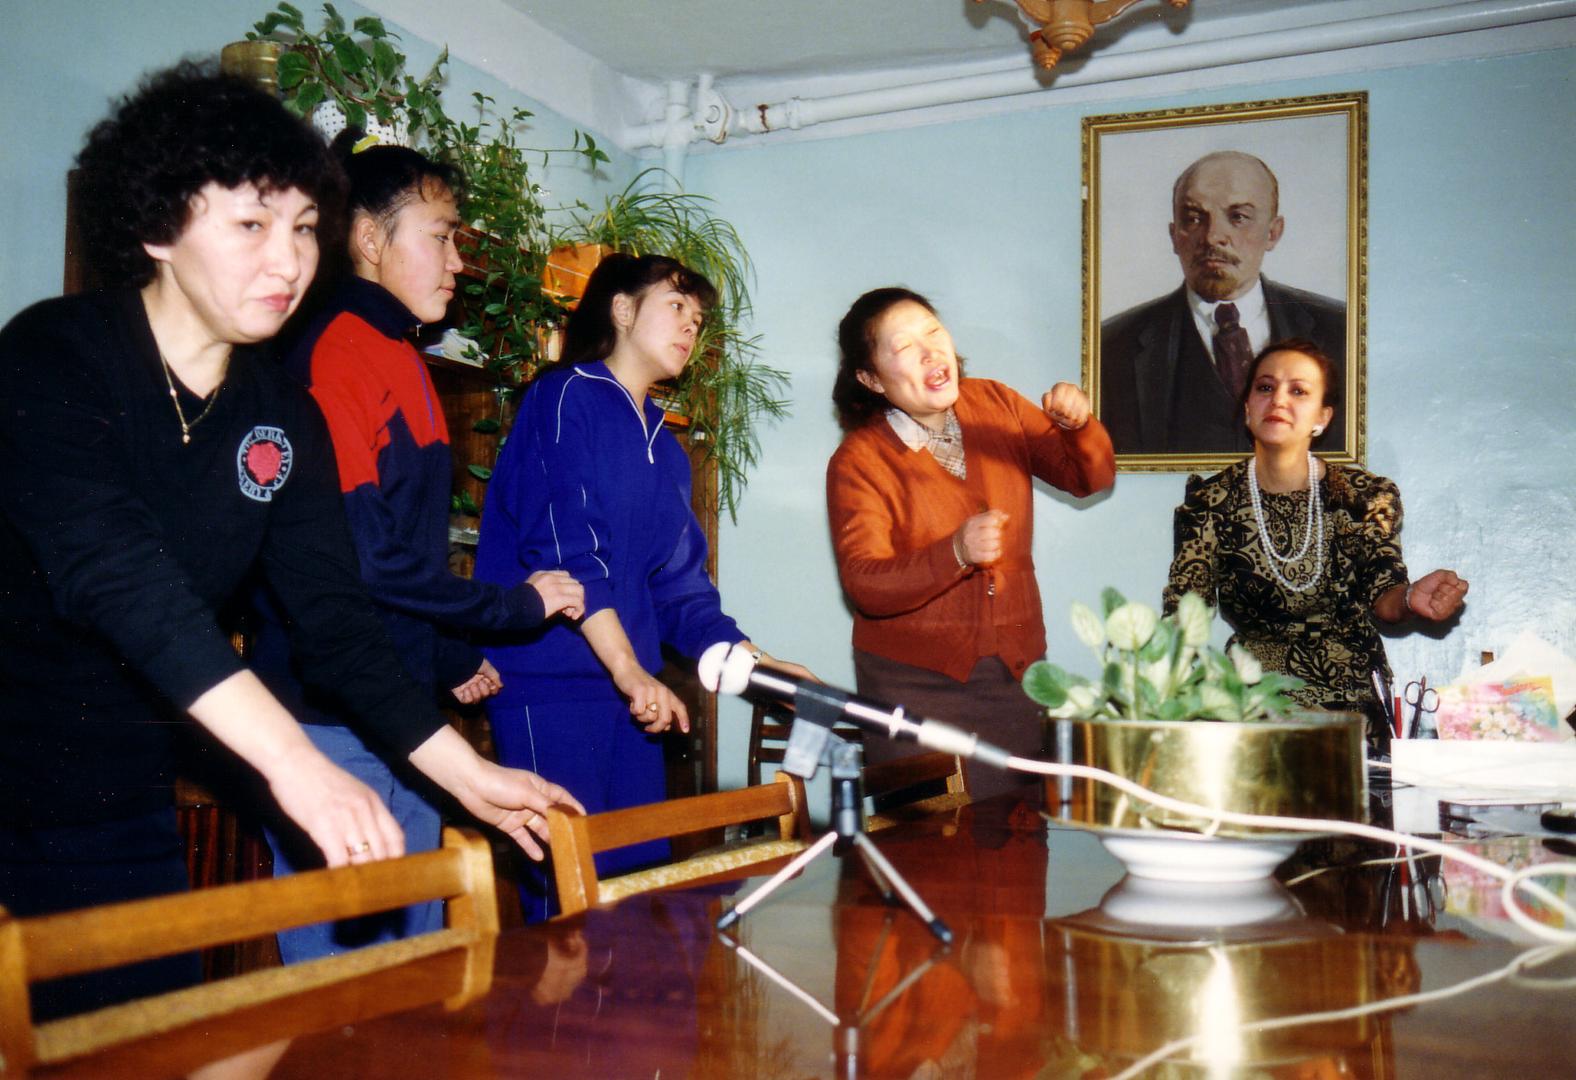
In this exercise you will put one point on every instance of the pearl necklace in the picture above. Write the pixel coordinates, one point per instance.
(180, 414)
(1313, 533)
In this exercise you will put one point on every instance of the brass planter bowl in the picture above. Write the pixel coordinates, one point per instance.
(1309, 766)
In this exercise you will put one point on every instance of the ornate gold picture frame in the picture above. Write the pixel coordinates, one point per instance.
(1146, 365)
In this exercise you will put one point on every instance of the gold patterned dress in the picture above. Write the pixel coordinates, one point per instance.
(1325, 636)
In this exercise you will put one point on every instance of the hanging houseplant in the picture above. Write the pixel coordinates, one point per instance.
(725, 391)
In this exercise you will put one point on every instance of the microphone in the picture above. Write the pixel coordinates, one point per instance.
(726, 668)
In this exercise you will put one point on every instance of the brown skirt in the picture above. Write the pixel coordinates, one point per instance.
(991, 704)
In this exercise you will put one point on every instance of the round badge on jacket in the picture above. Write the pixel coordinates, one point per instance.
(263, 462)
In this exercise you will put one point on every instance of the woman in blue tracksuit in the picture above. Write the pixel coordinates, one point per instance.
(590, 483)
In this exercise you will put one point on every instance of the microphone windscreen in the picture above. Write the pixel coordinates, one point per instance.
(725, 669)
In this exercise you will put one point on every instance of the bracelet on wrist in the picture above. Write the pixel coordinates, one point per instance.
(1406, 601)
(957, 553)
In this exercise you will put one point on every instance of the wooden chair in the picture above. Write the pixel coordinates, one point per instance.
(769, 738)
(922, 774)
(576, 838)
(459, 957)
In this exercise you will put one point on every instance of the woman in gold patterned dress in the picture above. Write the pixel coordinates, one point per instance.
(1302, 581)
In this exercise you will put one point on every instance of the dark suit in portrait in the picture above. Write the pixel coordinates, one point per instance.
(1160, 392)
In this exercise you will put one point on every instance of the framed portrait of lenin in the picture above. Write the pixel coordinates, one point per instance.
(1209, 233)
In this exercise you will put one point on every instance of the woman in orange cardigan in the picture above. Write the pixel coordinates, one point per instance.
(930, 501)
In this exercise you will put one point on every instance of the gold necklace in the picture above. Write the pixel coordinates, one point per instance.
(180, 414)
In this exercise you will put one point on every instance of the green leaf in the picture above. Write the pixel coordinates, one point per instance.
(1131, 625)
(1045, 684)
(1148, 695)
(1216, 703)
(1158, 647)
(370, 26)
(481, 472)
(1194, 618)
(355, 115)
(271, 22)
(1110, 600)
(352, 57)
(486, 426)
(1087, 626)
(1247, 666)
(1172, 709)
(386, 62)
(1158, 673)
(310, 97)
(1274, 682)
(336, 21)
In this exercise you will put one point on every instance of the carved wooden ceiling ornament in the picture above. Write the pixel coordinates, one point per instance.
(1064, 25)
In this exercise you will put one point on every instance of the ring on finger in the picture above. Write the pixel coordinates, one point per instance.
(358, 849)
(652, 707)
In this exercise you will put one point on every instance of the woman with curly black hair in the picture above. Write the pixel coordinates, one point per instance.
(151, 461)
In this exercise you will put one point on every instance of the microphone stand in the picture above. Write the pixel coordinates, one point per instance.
(814, 714)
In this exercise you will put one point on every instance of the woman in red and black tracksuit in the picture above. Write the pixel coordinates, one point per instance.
(392, 449)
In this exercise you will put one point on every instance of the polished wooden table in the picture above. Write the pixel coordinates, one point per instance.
(1060, 968)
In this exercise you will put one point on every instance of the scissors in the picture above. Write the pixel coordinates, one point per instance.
(1423, 699)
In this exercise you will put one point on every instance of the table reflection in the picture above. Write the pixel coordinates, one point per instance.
(1061, 968)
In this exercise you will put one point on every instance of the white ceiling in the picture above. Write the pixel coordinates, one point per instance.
(668, 39)
(607, 64)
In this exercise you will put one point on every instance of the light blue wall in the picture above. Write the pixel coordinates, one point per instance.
(63, 61)
(1471, 340)
(1471, 329)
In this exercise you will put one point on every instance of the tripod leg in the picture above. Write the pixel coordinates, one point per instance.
(883, 886)
(910, 897)
(799, 861)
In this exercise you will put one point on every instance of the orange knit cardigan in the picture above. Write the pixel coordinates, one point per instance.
(893, 512)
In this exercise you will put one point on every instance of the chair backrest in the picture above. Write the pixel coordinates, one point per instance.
(51, 946)
(576, 839)
(769, 729)
(935, 779)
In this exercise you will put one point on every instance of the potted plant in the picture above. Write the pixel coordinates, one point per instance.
(725, 391)
(509, 309)
(337, 79)
(1175, 715)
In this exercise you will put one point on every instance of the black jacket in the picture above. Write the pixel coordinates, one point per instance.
(1143, 361)
(119, 545)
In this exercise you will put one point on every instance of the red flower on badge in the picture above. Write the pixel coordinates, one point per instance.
(262, 461)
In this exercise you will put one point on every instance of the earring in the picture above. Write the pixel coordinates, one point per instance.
(1317, 431)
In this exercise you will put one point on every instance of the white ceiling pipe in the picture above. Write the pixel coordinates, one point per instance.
(678, 133)
(796, 113)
